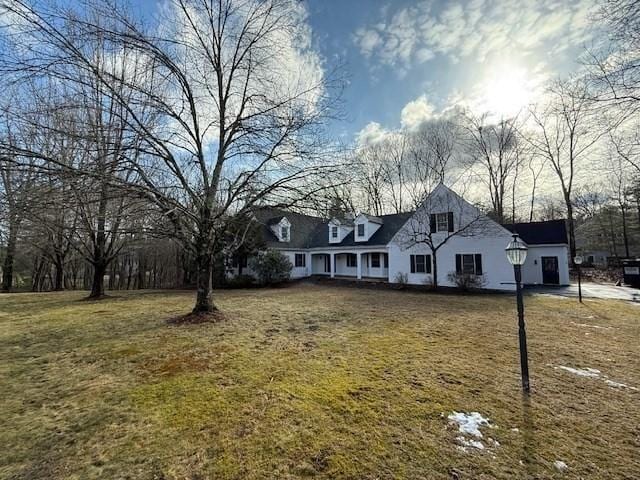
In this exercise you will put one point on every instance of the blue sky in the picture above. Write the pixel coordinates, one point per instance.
(426, 56)
(407, 60)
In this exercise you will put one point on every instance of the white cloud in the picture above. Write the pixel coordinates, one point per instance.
(371, 134)
(416, 112)
(367, 40)
(477, 29)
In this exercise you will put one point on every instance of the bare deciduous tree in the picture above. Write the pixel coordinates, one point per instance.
(566, 130)
(495, 148)
(227, 101)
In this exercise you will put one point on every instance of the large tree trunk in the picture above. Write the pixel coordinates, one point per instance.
(59, 275)
(625, 234)
(97, 285)
(434, 275)
(571, 225)
(7, 268)
(204, 298)
(99, 257)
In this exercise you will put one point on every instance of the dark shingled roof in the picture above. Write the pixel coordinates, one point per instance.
(302, 227)
(313, 232)
(390, 225)
(540, 233)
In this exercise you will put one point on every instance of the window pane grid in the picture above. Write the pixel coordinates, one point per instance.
(442, 222)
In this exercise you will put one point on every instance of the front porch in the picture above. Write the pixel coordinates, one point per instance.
(354, 265)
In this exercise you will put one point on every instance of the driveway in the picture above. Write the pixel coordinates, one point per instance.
(590, 290)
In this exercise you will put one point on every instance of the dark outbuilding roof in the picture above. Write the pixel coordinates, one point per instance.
(540, 233)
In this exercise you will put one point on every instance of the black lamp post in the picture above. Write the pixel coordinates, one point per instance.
(577, 260)
(517, 254)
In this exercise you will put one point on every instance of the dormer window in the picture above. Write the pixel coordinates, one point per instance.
(334, 232)
(442, 222)
(284, 233)
(361, 229)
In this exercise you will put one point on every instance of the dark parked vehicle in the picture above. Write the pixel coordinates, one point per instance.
(631, 272)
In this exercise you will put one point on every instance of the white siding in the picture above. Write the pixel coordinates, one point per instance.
(341, 266)
(532, 268)
(496, 269)
(298, 272)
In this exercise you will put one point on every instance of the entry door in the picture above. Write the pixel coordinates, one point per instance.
(550, 273)
(327, 264)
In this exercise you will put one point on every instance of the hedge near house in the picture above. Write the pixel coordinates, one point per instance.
(271, 267)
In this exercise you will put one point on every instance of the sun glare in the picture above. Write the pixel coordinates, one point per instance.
(506, 91)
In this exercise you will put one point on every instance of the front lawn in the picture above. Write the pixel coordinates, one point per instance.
(315, 381)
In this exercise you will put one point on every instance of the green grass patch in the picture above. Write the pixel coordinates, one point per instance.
(313, 381)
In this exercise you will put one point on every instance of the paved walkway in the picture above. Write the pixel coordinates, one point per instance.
(591, 290)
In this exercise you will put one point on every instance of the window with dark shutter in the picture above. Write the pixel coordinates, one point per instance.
(375, 260)
(432, 223)
(450, 221)
(301, 260)
(386, 260)
(352, 260)
(478, 264)
(361, 229)
(334, 232)
(470, 264)
(442, 222)
(420, 263)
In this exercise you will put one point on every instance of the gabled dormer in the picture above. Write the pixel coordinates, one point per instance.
(281, 228)
(365, 226)
(339, 229)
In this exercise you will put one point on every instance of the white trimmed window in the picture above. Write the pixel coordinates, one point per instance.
(469, 263)
(442, 222)
(420, 263)
(301, 260)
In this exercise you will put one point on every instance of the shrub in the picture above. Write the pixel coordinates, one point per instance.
(466, 281)
(241, 281)
(401, 280)
(271, 267)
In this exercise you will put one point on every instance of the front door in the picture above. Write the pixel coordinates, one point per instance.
(550, 273)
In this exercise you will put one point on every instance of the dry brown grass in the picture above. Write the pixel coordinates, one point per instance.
(313, 381)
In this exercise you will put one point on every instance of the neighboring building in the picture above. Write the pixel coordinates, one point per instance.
(393, 247)
(601, 240)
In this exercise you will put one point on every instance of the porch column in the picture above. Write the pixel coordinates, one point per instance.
(359, 266)
(333, 264)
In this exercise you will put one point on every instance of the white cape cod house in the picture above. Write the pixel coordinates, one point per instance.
(445, 233)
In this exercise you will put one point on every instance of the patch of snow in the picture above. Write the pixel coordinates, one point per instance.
(560, 465)
(586, 325)
(470, 443)
(582, 372)
(613, 384)
(495, 442)
(469, 422)
(515, 429)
